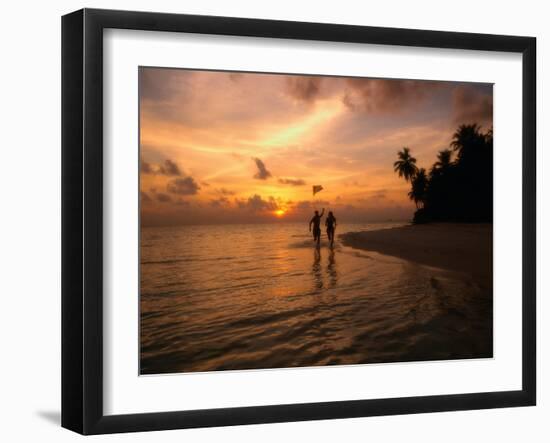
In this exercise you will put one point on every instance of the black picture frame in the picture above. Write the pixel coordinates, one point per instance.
(82, 218)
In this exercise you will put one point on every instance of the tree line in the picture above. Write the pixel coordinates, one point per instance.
(459, 185)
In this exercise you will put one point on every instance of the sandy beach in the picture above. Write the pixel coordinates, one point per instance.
(465, 248)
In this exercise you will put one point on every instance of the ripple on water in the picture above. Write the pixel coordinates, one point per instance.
(252, 296)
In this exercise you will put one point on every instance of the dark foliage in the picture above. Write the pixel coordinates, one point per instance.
(459, 190)
(419, 187)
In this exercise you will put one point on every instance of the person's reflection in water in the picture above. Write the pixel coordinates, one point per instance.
(330, 223)
(331, 269)
(316, 268)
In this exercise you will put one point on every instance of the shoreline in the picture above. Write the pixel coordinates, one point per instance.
(460, 247)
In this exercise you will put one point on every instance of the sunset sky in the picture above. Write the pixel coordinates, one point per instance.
(221, 147)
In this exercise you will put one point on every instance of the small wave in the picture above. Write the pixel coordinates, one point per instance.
(311, 244)
(186, 260)
(267, 300)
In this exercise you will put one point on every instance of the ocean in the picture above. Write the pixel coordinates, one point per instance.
(234, 297)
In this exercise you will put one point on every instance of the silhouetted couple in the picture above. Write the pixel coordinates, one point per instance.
(330, 223)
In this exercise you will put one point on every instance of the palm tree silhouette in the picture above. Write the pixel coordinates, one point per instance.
(419, 187)
(444, 161)
(466, 139)
(459, 186)
(406, 165)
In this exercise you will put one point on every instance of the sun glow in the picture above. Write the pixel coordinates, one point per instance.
(279, 212)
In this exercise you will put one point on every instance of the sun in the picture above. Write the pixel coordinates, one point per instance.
(279, 212)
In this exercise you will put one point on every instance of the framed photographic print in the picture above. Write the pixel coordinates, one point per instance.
(269, 221)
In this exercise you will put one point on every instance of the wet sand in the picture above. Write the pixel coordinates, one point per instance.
(463, 248)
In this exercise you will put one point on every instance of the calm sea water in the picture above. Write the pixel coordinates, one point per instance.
(263, 296)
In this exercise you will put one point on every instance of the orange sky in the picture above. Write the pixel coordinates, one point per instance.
(220, 147)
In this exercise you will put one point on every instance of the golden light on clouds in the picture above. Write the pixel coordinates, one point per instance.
(295, 131)
(249, 147)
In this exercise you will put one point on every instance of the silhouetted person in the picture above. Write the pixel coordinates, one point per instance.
(316, 222)
(330, 223)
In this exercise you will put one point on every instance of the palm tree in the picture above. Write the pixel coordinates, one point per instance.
(444, 161)
(419, 187)
(406, 165)
(467, 138)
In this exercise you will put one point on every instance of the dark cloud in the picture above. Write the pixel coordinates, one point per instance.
(159, 84)
(183, 186)
(144, 197)
(161, 92)
(263, 173)
(219, 202)
(304, 88)
(292, 181)
(257, 204)
(169, 168)
(472, 106)
(163, 198)
(145, 167)
(383, 96)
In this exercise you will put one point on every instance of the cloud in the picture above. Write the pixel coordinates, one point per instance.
(145, 167)
(144, 197)
(210, 125)
(308, 204)
(379, 194)
(374, 197)
(263, 173)
(257, 204)
(224, 191)
(305, 204)
(163, 198)
(183, 186)
(292, 181)
(169, 168)
(159, 84)
(472, 106)
(304, 89)
(385, 96)
(218, 202)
